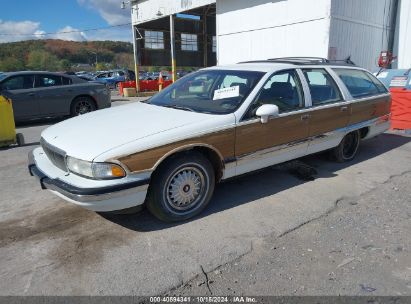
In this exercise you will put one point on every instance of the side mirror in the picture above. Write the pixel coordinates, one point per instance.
(266, 111)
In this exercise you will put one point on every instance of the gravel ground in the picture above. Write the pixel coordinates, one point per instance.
(360, 247)
(51, 247)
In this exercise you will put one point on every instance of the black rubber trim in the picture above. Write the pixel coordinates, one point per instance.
(230, 160)
(44, 181)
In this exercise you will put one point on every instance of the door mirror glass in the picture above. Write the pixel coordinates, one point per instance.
(266, 111)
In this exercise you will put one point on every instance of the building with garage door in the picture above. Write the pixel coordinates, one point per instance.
(205, 32)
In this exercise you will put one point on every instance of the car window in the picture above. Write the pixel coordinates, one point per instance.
(381, 87)
(66, 81)
(323, 88)
(21, 82)
(359, 84)
(44, 81)
(209, 91)
(284, 90)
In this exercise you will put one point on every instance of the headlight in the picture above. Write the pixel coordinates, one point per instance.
(95, 170)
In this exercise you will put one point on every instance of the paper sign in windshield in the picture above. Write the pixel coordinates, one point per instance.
(399, 81)
(227, 93)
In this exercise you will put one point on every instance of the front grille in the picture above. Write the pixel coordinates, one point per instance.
(56, 156)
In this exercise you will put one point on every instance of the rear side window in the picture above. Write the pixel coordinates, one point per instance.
(66, 81)
(44, 81)
(323, 88)
(22, 82)
(359, 83)
(381, 87)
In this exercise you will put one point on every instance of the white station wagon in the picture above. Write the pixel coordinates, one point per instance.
(217, 123)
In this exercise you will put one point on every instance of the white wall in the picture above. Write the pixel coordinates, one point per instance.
(403, 36)
(147, 10)
(261, 29)
(361, 29)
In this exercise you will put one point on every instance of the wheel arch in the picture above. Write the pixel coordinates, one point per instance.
(211, 153)
(364, 132)
(83, 95)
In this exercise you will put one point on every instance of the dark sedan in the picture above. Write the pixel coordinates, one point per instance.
(44, 94)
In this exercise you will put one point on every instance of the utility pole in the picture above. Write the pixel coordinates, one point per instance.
(173, 49)
(135, 47)
(136, 63)
(95, 54)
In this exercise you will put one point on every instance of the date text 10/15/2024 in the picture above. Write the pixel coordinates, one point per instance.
(174, 299)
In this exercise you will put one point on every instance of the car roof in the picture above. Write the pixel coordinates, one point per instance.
(36, 73)
(267, 66)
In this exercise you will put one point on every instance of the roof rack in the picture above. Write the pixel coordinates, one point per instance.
(309, 60)
(306, 61)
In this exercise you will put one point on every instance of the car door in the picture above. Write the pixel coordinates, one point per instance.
(329, 114)
(369, 97)
(284, 137)
(20, 90)
(51, 95)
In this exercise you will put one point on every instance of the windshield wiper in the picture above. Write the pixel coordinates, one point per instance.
(179, 108)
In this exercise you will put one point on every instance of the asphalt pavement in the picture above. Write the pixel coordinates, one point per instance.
(339, 219)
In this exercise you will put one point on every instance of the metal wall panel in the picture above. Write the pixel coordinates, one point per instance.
(403, 36)
(147, 10)
(361, 29)
(302, 39)
(260, 29)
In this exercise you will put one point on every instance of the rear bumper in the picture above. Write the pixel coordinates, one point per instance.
(101, 199)
(103, 101)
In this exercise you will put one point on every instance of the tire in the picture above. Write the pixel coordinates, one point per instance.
(348, 148)
(181, 188)
(82, 105)
(20, 139)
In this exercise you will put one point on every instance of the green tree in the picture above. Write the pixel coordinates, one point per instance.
(65, 65)
(103, 66)
(40, 60)
(11, 64)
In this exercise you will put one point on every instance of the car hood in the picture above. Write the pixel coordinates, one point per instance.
(87, 136)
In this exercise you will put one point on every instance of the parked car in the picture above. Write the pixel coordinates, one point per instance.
(86, 77)
(209, 126)
(113, 78)
(43, 94)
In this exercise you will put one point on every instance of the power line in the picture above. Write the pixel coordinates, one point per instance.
(68, 32)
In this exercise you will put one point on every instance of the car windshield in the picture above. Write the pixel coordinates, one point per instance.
(209, 91)
(2, 76)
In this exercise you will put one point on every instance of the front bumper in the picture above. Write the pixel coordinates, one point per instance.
(101, 199)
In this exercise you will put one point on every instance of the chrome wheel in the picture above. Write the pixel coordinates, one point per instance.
(185, 188)
(83, 107)
(181, 187)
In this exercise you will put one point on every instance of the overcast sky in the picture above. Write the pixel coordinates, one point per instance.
(29, 19)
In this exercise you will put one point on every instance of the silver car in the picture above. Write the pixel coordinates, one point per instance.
(43, 94)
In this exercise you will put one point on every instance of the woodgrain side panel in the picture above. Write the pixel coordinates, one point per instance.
(223, 142)
(278, 131)
(369, 109)
(329, 119)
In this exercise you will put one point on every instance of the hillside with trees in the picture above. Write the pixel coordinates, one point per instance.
(60, 55)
